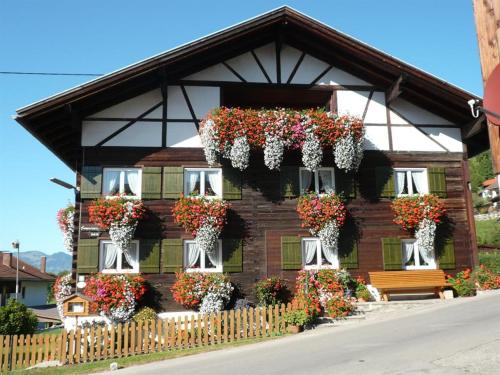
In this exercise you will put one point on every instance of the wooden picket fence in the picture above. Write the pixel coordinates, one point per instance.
(122, 340)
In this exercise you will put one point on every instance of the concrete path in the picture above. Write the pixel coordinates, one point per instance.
(456, 337)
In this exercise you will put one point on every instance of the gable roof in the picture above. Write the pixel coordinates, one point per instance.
(26, 271)
(56, 121)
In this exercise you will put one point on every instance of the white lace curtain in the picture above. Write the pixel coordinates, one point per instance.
(418, 181)
(110, 255)
(111, 182)
(330, 255)
(310, 249)
(192, 180)
(215, 182)
(127, 253)
(214, 256)
(428, 257)
(306, 178)
(325, 177)
(193, 253)
(133, 181)
(400, 181)
(408, 248)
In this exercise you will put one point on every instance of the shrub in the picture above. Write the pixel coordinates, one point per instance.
(491, 261)
(297, 318)
(145, 314)
(208, 292)
(16, 319)
(271, 291)
(362, 291)
(485, 279)
(462, 283)
(338, 307)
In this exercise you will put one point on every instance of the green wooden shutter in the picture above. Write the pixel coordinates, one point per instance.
(91, 182)
(437, 181)
(392, 252)
(87, 257)
(447, 257)
(291, 253)
(349, 257)
(149, 256)
(231, 183)
(173, 254)
(173, 182)
(151, 183)
(345, 184)
(232, 255)
(289, 182)
(384, 179)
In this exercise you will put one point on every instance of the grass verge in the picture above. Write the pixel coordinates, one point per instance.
(88, 368)
(488, 232)
(491, 260)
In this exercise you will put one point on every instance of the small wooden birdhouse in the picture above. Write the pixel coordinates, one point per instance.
(76, 305)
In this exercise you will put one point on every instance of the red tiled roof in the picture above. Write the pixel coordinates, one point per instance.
(26, 271)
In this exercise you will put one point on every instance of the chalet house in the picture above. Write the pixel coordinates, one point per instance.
(33, 282)
(490, 191)
(136, 131)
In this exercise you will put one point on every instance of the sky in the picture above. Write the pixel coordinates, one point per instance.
(95, 36)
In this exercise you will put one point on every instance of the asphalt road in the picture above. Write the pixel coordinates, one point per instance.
(461, 337)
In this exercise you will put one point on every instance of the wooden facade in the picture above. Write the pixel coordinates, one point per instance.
(148, 116)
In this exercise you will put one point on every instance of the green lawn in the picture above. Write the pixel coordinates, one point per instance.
(488, 232)
(490, 260)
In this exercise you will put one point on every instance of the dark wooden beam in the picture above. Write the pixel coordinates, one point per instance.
(396, 89)
(474, 127)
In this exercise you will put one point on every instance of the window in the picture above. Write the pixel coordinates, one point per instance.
(316, 256)
(414, 259)
(321, 181)
(411, 181)
(196, 259)
(203, 181)
(126, 181)
(113, 260)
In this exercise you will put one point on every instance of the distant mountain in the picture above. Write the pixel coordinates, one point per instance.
(56, 262)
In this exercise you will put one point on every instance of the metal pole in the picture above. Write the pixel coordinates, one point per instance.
(17, 273)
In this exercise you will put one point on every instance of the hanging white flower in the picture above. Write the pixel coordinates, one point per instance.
(207, 235)
(62, 292)
(345, 153)
(217, 297)
(329, 235)
(240, 153)
(210, 145)
(312, 153)
(121, 235)
(68, 233)
(273, 151)
(425, 235)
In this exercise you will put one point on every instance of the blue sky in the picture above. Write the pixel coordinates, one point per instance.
(95, 36)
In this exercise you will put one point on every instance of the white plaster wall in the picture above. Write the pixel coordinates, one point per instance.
(216, 72)
(309, 69)
(182, 134)
(35, 293)
(134, 107)
(352, 102)
(247, 67)
(95, 131)
(203, 99)
(337, 76)
(450, 138)
(415, 114)
(376, 113)
(376, 138)
(267, 57)
(406, 138)
(289, 57)
(176, 104)
(141, 134)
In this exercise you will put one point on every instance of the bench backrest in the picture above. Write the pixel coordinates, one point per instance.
(407, 279)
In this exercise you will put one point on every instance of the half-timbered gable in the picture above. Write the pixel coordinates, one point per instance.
(136, 132)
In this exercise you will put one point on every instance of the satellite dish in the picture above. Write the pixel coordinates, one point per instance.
(491, 100)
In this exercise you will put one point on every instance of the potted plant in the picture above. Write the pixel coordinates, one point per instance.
(362, 292)
(296, 320)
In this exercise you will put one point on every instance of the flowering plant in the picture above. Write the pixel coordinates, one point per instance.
(62, 290)
(462, 283)
(315, 288)
(419, 214)
(208, 292)
(233, 132)
(338, 307)
(114, 296)
(118, 215)
(65, 217)
(271, 291)
(485, 279)
(324, 215)
(203, 218)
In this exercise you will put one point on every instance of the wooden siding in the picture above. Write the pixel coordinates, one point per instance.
(263, 217)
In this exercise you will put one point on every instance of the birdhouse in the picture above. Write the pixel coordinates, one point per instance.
(76, 305)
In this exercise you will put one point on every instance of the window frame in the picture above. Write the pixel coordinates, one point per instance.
(121, 182)
(202, 170)
(432, 266)
(319, 252)
(118, 270)
(316, 179)
(409, 170)
(202, 268)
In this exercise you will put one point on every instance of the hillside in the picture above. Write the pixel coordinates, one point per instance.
(56, 262)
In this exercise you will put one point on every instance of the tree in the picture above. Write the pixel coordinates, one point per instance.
(16, 319)
(480, 169)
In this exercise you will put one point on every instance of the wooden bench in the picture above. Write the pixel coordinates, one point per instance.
(392, 282)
